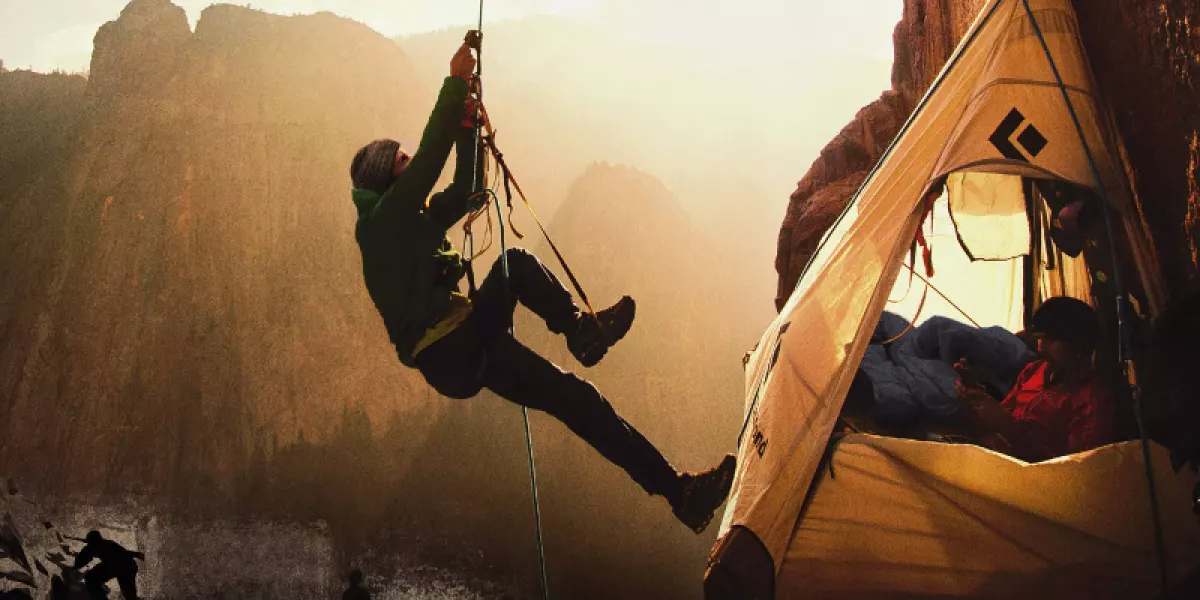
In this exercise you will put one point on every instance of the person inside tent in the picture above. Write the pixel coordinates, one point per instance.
(461, 343)
(1058, 406)
(906, 380)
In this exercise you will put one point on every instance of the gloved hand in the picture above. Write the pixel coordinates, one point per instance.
(471, 112)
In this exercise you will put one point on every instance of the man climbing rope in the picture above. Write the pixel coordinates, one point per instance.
(462, 344)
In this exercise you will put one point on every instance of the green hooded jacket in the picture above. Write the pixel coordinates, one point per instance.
(411, 269)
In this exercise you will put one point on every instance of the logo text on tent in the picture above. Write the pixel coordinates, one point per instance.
(759, 440)
(1030, 139)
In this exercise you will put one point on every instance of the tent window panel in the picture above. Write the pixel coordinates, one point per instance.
(988, 212)
(990, 292)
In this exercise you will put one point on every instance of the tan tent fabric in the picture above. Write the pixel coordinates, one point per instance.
(1017, 77)
(798, 376)
(937, 519)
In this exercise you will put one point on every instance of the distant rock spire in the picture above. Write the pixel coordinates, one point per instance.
(138, 51)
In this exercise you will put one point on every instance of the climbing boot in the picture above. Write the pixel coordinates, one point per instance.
(594, 335)
(702, 493)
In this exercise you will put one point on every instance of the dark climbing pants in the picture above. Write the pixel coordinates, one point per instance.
(126, 576)
(481, 353)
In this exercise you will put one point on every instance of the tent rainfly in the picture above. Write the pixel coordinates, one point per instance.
(1014, 113)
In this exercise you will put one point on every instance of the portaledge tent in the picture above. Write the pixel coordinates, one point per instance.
(905, 518)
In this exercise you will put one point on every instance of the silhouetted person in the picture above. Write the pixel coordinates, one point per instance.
(462, 344)
(115, 563)
(356, 591)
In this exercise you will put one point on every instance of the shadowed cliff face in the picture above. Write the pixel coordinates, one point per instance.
(188, 280)
(183, 319)
(925, 37)
(1144, 58)
(39, 119)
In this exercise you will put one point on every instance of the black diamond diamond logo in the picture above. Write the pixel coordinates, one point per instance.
(1031, 140)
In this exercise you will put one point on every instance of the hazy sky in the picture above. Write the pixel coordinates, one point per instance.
(57, 34)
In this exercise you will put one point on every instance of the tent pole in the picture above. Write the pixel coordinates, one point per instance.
(1031, 262)
(1123, 350)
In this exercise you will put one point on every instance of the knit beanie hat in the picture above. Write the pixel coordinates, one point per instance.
(371, 168)
(1067, 319)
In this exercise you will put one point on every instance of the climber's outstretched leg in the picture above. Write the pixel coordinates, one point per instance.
(480, 352)
(520, 375)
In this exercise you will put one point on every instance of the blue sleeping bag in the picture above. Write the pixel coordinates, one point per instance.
(913, 377)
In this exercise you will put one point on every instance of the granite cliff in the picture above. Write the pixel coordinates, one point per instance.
(182, 284)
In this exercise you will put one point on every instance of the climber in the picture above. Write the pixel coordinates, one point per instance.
(1058, 406)
(462, 343)
(115, 562)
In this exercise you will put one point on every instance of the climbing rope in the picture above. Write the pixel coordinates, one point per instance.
(484, 212)
(510, 183)
(944, 296)
(487, 191)
(913, 322)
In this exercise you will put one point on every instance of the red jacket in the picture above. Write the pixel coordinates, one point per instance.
(1054, 418)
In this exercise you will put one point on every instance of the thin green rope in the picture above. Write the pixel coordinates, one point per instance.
(537, 512)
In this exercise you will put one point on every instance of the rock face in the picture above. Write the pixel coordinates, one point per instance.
(927, 34)
(827, 187)
(140, 52)
(182, 287)
(1146, 59)
(39, 119)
